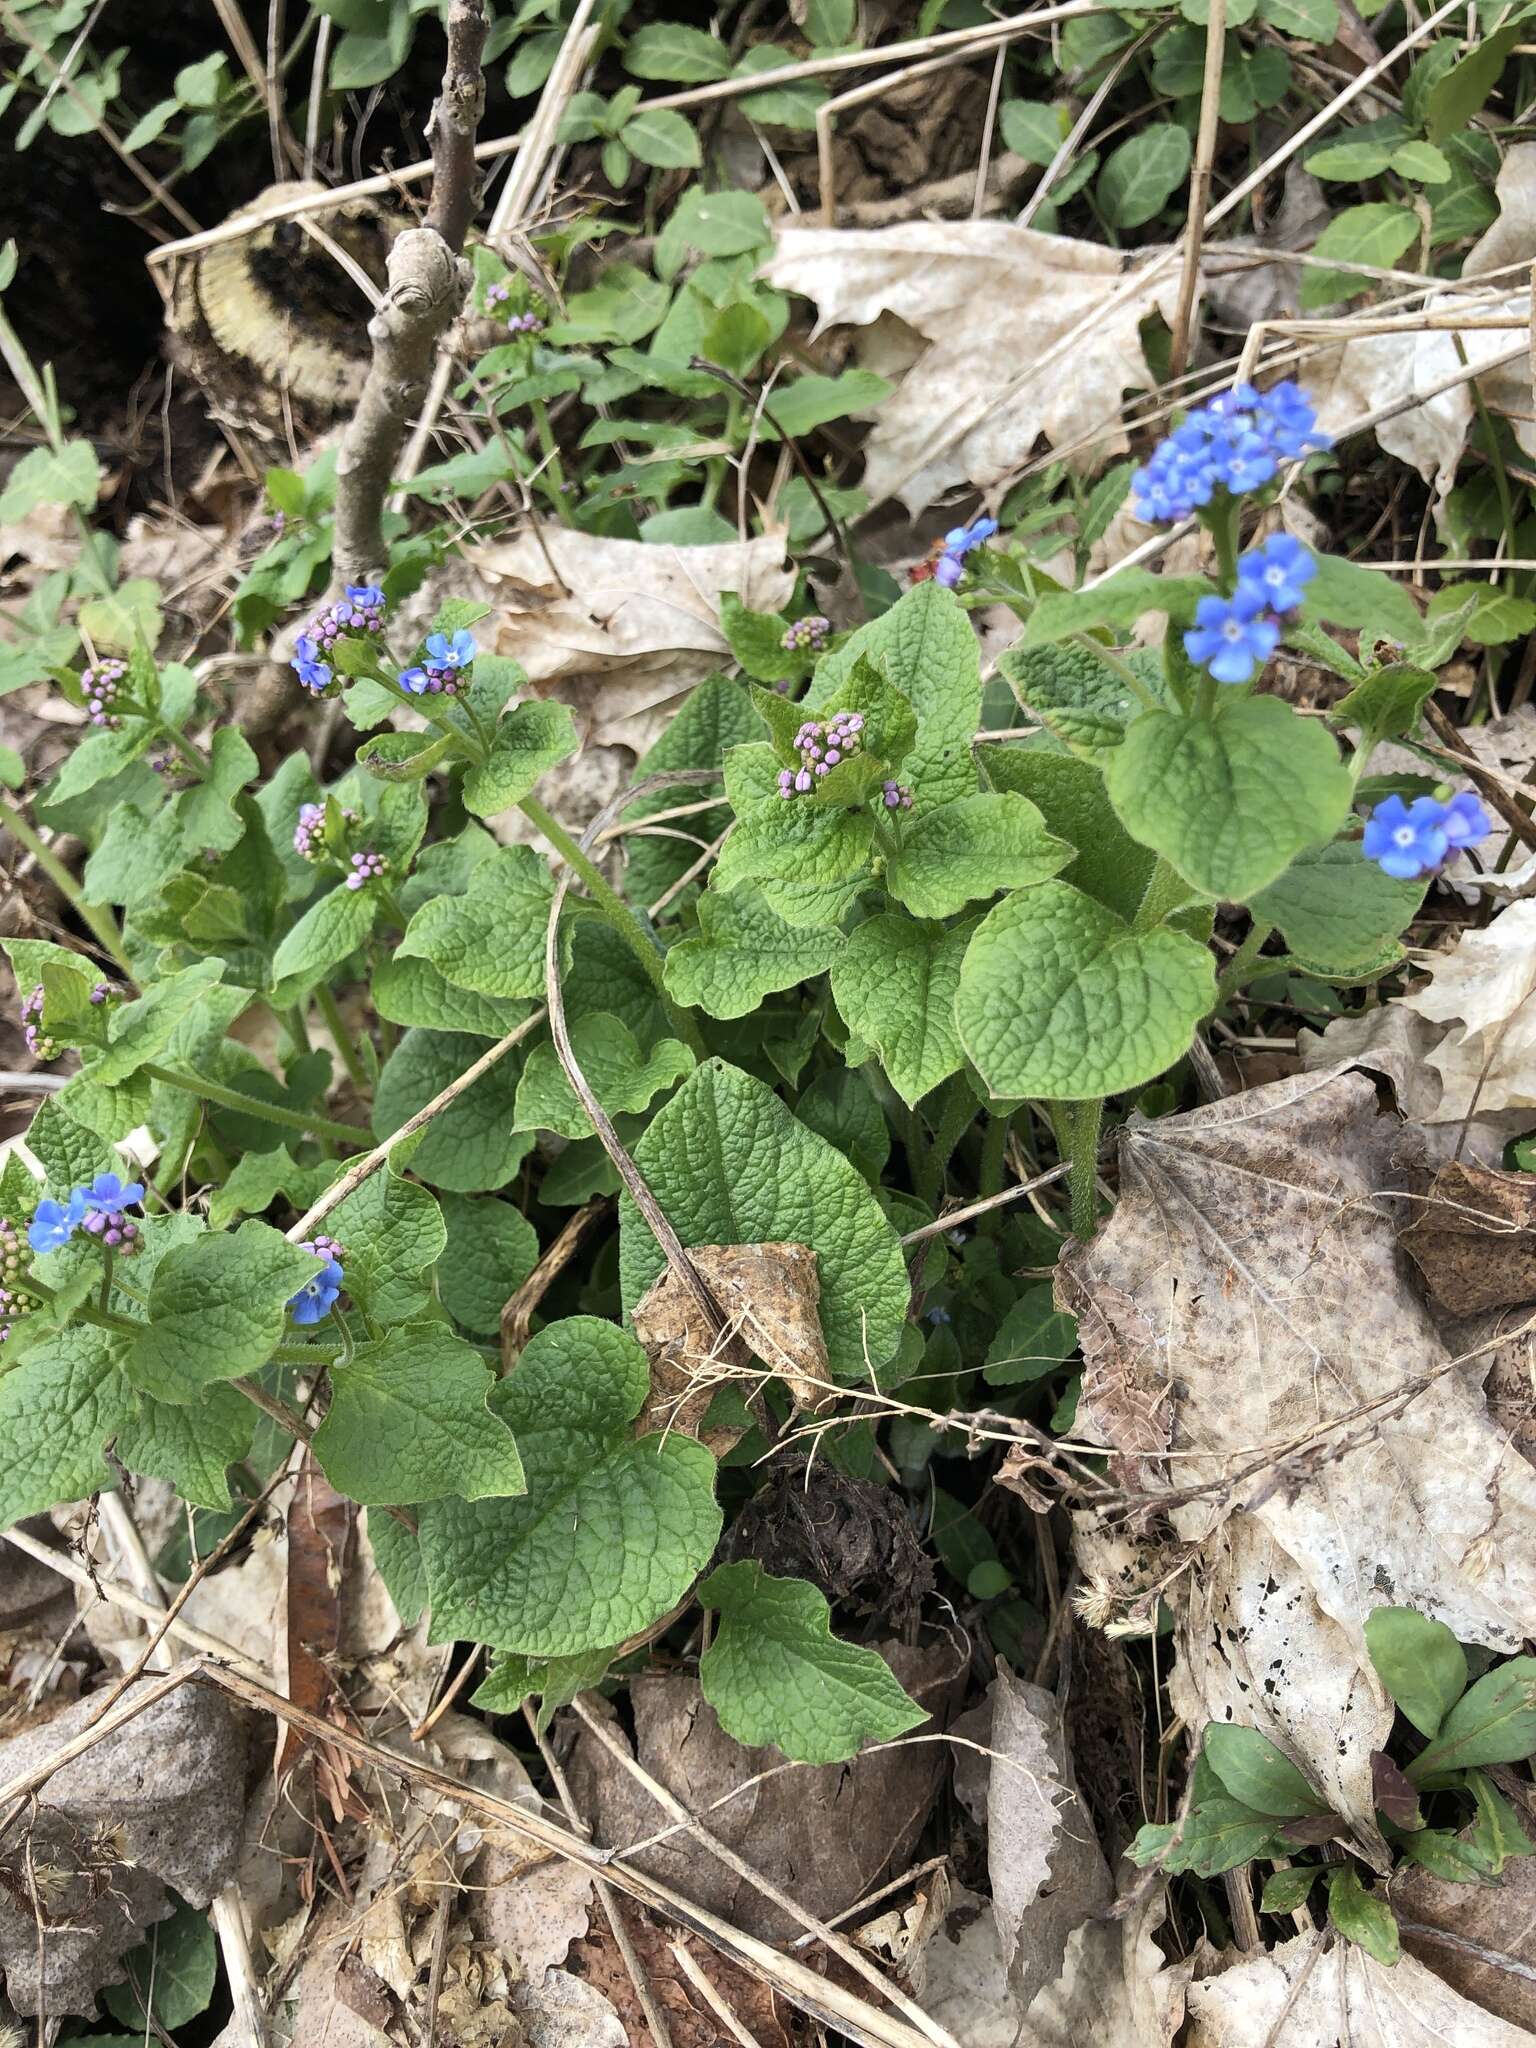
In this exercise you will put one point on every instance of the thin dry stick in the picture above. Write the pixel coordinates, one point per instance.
(518, 1310)
(1200, 183)
(428, 280)
(979, 200)
(825, 2001)
(1080, 128)
(844, 1950)
(361, 1169)
(711, 1996)
(956, 1217)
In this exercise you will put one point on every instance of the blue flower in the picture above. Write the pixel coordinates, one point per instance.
(313, 673)
(55, 1223)
(316, 1298)
(1232, 636)
(1407, 840)
(1278, 572)
(108, 1194)
(1465, 821)
(1235, 444)
(458, 652)
(957, 544)
(366, 594)
(414, 680)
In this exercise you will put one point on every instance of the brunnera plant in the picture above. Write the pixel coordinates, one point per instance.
(903, 923)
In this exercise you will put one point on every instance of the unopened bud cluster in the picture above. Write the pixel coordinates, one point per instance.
(358, 612)
(99, 687)
(820, 748)
(366, 867)
(809, 634)
(309, 831)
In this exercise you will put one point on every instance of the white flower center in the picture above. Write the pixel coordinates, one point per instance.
(1404, 836)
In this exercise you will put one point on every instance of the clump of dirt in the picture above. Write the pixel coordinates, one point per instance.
(848, 1536)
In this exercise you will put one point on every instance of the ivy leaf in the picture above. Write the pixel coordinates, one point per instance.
(1494, 1722)
(623, 1079)
(391, 1230)
(1060, 998)
(613, 1528)
(1337, 909)
(894, 981)
(810, 860)
(191, 1445)
(57, 1409)
(1255, 1772)
(529, 740)
(216, 1310)
(176, 1967)
(925, 648)
(490, 940)
(495, 1248)
(971, 848)
(409, 1421)
(1071, 797)
(328, 931)
(1361, 1916)
(729, 1164)
(1035, 1339)
(775, 1673)
(742, 952)
(471, 1146)
(1229, 801)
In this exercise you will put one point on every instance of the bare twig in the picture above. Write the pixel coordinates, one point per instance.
(518, 1310)
(428, 280)
(1200, 184)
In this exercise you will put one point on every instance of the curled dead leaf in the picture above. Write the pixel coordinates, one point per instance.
(770, 1294)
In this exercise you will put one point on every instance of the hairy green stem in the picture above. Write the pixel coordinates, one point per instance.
(268, 1112)
(1081, 1121)
(100, 920)
(330, 1010)
(1166, 891)
(994, 1154)
(1244, 963)
(1222, 525)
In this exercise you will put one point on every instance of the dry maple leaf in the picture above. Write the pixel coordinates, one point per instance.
(1323, 1451)
(1474, 1239)
(1482, 990)
(769, 1294)
(971, 312)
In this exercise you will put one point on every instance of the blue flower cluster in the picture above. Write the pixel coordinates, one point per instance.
(98, 1208)
(1234, 444)
(359, 611)
(958, 543)
(1408, 841)
(443, 671)
(1233, 636)
(316, 1298)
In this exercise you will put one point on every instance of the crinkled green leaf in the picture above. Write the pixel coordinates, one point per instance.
(408, 1421)
(258, 1178)
(529, 740)
(492, 1248)
(775, 1673)
(411, 991)
(840, 1106)
(43, 477)
(1120, 600)
(1081, 700)
(68, 1152)
(1346, 593)
(894, 980)
(328, 931)
(717, 715)
(757, 641)
(174, 1967)
(57, 1409)
(138, 850)
(1060, 998)
(810, 860)
(216, 1310)
(971, 848)
(141, 1031)
(1387, 703)
(1231, 800)
(742, 952)
(397, 1554)
(1071, 797)
(471, 1146)
(492, 938)
(1336, 908)
(190, 1444)
(554, 1681)
(206, 812)
(621, 1076)
(613, 1528)
(729, 1164)
(391, 1231)
(925, 647)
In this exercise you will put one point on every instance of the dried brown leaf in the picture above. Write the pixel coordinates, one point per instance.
(1498, 1918)
(1474, 1240)
(1251, 1234)
(960, 310)
(770, 1295)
